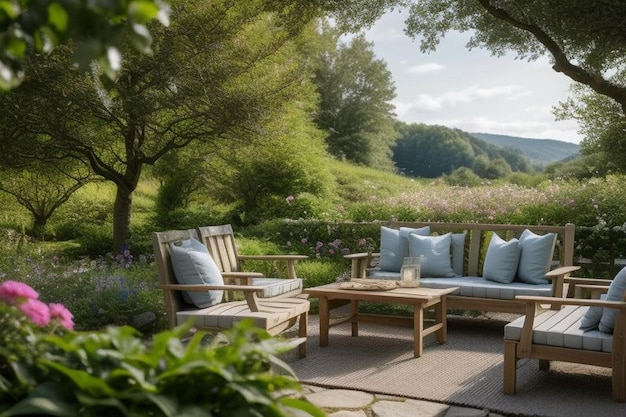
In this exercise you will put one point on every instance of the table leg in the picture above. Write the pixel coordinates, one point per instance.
(440, 317)
(418, 330)
(324, 320)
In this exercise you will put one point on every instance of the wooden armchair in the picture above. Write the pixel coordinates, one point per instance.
(274, 315)
(220, 241)
(556, 335)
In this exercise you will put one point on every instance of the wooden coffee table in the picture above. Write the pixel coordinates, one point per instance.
(332, 296)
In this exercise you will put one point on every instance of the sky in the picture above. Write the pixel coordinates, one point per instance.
(471, 90)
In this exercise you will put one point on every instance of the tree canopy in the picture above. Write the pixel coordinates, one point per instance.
(584, 40)
(219, 71)
(96, 27)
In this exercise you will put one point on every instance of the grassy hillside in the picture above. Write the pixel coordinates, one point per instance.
(538, 151)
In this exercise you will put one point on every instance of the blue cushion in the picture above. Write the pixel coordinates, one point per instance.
(501, 260)
(192, 264)
(394, 246)
(458, 252)
(436, 254)
(535, 257)
(592, 317)
(615, 293)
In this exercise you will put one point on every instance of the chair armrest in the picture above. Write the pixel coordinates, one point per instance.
(290, 259)
(249, 292)
(241, 277)
(594, 290)
(576, 284)
(534, 300)
(206, 287)
(360, 263)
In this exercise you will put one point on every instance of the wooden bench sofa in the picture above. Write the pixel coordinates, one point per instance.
(469, 249)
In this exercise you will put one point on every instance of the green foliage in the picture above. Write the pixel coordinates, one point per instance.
(432, 151)
(255, 76)
(282, 175)
(355, 91)
(463, 177)
(99, 292)
(114, 372)
(41, 26)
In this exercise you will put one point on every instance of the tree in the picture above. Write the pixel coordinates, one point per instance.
(42, 188)
(431, 151)
(603, 123)
(355, 92)
(220, 71)
(584, 40)
(40, 26)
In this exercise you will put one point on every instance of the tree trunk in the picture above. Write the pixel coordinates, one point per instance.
(39, 226)
(121, 216)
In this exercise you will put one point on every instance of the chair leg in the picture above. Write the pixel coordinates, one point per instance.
(618, 381)
(544, 364)
(302, 332)
(510, 367)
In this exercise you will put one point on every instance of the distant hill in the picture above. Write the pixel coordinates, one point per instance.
(539, 151)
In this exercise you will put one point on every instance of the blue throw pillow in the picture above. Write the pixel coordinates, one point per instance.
(592, 317)
(436, 254)
(394, 246)
(615, 293)
(501, 260)
(458, 252)
(535, 257)
(192, 264)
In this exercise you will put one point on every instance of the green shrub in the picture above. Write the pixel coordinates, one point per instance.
(463, 177)
(115, 373)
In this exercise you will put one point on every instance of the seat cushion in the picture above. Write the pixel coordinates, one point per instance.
(277, 286)
(480, 287)
(192, 264)
(561, 328)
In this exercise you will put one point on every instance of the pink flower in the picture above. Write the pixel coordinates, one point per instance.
(37, 311)
(61, 314)
(14, 293)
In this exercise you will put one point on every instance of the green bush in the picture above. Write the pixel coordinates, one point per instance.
(464, 177)
(116, 373)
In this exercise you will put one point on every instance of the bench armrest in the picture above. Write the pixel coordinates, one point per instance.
(558, 277)
(360, 263)
(290, 259)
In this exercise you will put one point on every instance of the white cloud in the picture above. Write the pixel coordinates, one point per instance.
(471, 90)
(428, 102)
(425, 68)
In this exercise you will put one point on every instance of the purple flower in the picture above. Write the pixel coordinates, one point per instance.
(14, 293)
(304, 240)
(289, 199)
(62, 315)
(319, 245)
(38, 312)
